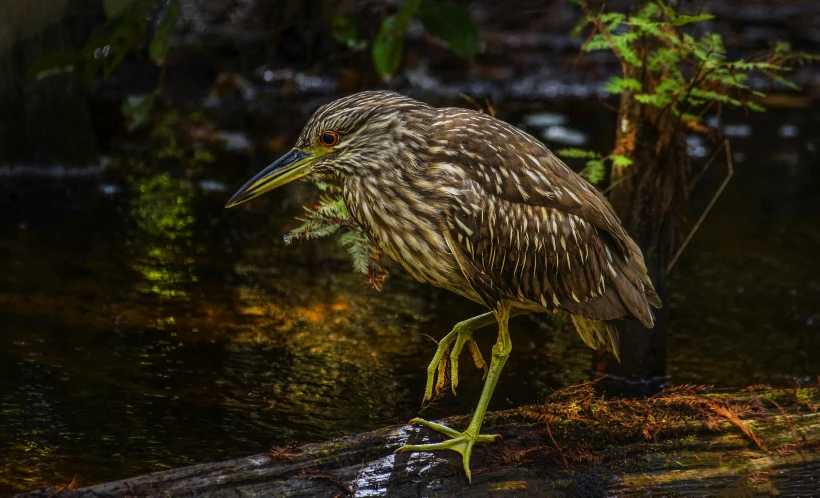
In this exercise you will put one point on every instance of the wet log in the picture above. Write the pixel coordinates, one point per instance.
(682, 442)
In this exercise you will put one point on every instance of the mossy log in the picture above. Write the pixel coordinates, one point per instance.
(685, 441)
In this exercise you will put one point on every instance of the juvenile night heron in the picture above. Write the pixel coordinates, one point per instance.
(472, 204)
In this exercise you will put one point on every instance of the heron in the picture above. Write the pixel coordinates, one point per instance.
(469, 203)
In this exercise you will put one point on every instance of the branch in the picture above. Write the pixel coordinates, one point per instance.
(731, 171)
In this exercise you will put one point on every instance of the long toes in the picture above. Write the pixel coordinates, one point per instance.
(442, 370)
(465, 459)
(436, 427)
(477, 358)
(488, 438)
(454, 371)
(450, 444)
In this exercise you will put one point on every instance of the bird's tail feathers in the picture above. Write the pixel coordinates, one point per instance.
(640, 269)
(598, 334)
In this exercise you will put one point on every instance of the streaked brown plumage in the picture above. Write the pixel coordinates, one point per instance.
(472, 204)
(478, 195)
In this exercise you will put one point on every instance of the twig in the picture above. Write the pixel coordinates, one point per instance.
(726, 412)
(557, 447)
(703, 171)
(591, 33)
(730, 172)
(791, 427)
(599, 25)
(616, 182)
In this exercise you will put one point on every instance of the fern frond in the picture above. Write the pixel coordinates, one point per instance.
(330, 216)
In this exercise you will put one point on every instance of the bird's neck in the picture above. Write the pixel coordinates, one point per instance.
(384, 200)
(400, 222)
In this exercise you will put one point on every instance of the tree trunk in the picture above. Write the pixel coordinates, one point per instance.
(679, 442)
(649, 196)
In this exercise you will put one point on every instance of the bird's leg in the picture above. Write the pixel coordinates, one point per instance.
(462, 442)
(462, 334)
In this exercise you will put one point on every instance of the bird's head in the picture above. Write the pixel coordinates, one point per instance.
(355, 135)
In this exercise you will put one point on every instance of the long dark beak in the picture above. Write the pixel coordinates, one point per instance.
(292, 166)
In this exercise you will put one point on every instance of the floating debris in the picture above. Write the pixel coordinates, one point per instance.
(695, 146)
(235, 141)
(544, 119)
(737, 130)
(564, 135)
(789, 131)
(212, 186)
(110, 190)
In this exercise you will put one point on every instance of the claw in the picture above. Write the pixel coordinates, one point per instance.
(442, 375)
(460, 442)
(438, 365)
(462, 336)
(477, 358)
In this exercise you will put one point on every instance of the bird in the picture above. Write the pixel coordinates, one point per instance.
(474, 205)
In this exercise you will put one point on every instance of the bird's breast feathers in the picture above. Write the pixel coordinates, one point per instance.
(405, 227)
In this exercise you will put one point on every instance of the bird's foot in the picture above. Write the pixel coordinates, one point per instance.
(461, 335)
(460, 442)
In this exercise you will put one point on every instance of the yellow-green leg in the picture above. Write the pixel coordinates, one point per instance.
(462, 442)
(462, 334)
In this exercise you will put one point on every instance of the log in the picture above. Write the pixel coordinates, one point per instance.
(685, 441)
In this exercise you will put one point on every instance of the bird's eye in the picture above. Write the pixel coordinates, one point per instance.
(328, 138)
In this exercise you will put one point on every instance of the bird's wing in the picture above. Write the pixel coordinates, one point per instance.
(523, 225)
(532, 253)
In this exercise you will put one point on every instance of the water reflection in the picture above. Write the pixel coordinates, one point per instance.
(145, 327)
(162, 212)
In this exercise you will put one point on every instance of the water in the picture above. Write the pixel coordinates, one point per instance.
(146, 327)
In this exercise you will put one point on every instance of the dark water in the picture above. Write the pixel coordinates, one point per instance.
(145, 327)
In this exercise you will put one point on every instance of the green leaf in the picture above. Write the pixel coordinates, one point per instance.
(358, 247)
(617, 84)
(622, 44)
(127, 32)
(389, 42)
(620, 161)
(788, 84)
(114, 8)
(597, 42)
(578, 29)
(578, 153)
(327, 187)
(388, 46)
(162, 35)
(682, 19)
(595, 171)
(650, 11)
(345, 31)
(452, 23)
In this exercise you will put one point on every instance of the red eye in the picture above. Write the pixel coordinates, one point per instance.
(328, 138)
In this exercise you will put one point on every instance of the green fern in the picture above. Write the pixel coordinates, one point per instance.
(686, 75)
(330, 216)
(578, 153)
(594, 171)
(619, 85)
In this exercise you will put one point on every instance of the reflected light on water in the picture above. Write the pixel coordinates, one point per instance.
(152, 328)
